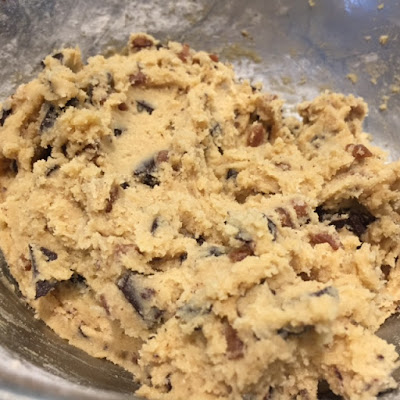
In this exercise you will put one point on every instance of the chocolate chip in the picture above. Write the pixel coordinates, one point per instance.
(4, 115)
(110, 82)
(89, 93)
(256, 136)
(168, 385)
(235, 346)
(113, 196)
(77, 279)
(33, 260)
(214, 57)
(144, 173)
(232, 173)
(74, 102)
(184, 53)
(133, 286)
(41, 154)
(104, 304)
(359, 151)
(138, 79)
(286, 220)
(241, 253)
(14, 166)
(162, 156)
(271, 227)
(154, 225)
(82, 333)
(215, 251)
(144, 106)
(386, 271)
(329, 290)
(50, 118)
(216, 130)
(123, 107)
(124, 185)
(324, 237)
(301, 209)
(293, 331)
(200, 240)
(183, 257)
(49, 255)
(44, 287)
(58, 56)
(141, 42)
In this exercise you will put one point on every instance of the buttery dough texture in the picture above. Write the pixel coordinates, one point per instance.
(161, 213)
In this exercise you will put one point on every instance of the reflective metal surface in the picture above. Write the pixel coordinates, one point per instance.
(294, 48)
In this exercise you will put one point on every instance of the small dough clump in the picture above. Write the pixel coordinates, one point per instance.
(163, 214)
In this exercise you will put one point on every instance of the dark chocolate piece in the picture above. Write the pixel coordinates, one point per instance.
(235, 346)
(49, 255)
(144, 173)
(44, 287)
(154, 225)
(144, 106)
(232, 173)
(50, 118)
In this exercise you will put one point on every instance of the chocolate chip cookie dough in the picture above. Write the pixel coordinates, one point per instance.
(163, 214)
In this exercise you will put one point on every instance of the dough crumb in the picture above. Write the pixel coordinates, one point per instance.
(353, 78)
(383, 39)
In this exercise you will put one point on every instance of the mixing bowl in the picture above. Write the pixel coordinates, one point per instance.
(294, 47)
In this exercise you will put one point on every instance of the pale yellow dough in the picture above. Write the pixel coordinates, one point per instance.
(161, 213)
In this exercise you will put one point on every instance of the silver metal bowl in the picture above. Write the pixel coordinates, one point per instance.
(294, 47)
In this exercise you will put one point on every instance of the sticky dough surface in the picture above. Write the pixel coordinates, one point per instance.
(159, 212)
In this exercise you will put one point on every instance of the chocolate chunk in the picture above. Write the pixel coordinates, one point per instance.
(271, 227)
(386, 271)
(184, 53)
(77, 279)
(168, 385)
(89, 93)
(50, 118)
(241, 253)
(140, 296)
(235, 346)
(33, 260)
(356, 218)
(359, 151)
(183, 257)
(110, 82)
(82, 333)
(215, 251)
(301, 209)
(138, 79)
(123, 107)
(4, 115)
(144, 173)
(216, 130)
(113, 196)
(52, 169)
(104, 304)
(124, 185)
(329, 290)
(44, 287)
(324, 237)
(200, 240)
(144, 106)
(14, 166)
(141, 42)
(286, 220)
(58, 56)
(74, 102)
(293, 331)
(49, 255)
(256, 136)
(232, 173)
(162, 156)
(117, 132)
(214, 57)
(154, 225)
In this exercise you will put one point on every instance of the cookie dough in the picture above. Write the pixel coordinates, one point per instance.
(161, 213)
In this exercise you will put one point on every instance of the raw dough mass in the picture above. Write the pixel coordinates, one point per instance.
(161, 213)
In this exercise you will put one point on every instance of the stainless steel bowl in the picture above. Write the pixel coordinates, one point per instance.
(295, 47)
